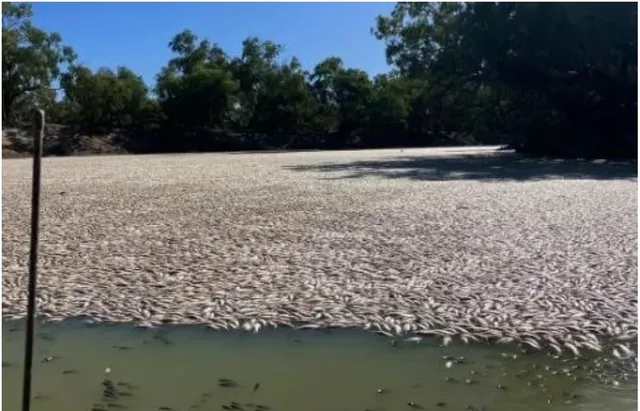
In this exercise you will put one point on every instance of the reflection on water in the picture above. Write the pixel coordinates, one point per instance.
(190, 368)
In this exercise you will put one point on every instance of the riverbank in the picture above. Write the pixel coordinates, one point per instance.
(464, 245)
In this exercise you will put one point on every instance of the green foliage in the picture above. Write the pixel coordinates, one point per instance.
(31, 60)
(547, 78)
(103, 100)
(561, 77)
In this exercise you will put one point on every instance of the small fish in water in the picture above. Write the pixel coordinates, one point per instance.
(165, 408)
(381, 390)
(297, 340)
(98, 408)
(501, 387)
(441, 404)
(227, 383)
(255, 387)
(71, 371)
(469, 381)
(413, 404)
(118, 406)
(262, 407)
(449, 379)
(48, 359)
(121, 347)
(41, 397)
(6, 364)
(162, 339)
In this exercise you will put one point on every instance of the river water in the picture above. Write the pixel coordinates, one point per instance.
(78, 367)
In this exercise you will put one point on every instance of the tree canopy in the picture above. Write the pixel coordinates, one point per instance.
(546, 78)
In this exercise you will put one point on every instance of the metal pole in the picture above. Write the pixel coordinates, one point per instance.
(38, 132)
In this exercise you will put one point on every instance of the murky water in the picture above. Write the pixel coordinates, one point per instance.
(183, 368)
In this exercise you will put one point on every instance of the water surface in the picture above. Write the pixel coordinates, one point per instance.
(180, 368)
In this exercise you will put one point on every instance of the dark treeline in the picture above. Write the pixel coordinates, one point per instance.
(554, 79)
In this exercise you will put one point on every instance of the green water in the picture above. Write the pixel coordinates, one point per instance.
(179, 368)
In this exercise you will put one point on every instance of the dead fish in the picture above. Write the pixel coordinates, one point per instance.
(227, 383)
(162, 339)
(413, 404)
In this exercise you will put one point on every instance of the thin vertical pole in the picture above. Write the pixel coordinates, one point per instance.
(38, 132)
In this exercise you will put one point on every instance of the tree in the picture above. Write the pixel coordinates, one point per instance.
(565, 95)
(104, 99)
(31, 58)
(345, 93)
(196, 88)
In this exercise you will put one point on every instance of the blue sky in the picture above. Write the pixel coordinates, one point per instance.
(137, 34)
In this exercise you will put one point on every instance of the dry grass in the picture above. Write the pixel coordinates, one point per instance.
(289, 239)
